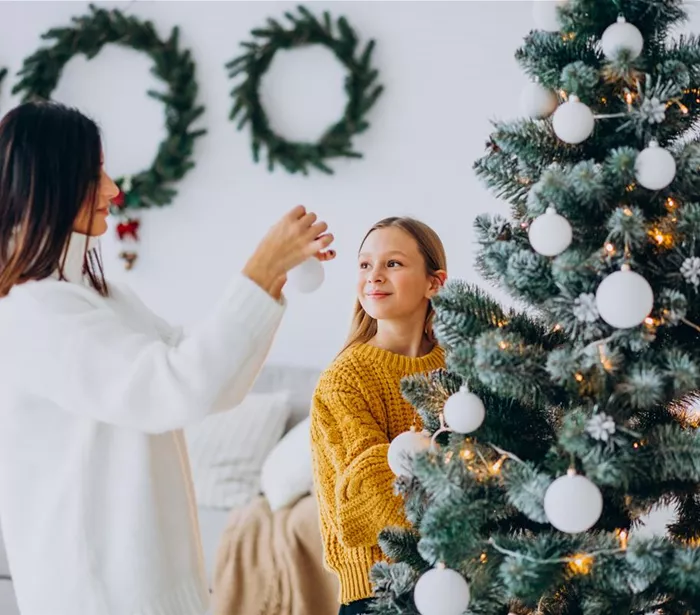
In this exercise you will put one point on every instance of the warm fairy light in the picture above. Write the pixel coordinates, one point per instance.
(466, 453)
(581, 564)
(603, 100)
(448, 456)
(635, 445)
(629, 98)
(610, 248)
(627, 211)
(660, 238)
(568, 36)
(683, 108)
(557, 327)
(605, 361)
(496, 467)
(503, 345)
(579, 377)
(622, 537)
(483, 558)
(649, 321)
(563, 94)
(630, 187)
(671, 204)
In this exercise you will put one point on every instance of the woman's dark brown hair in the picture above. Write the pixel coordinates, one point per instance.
(50, 165)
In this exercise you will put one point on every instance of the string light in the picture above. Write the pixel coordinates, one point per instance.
(622, 537)
(483, 558)
(627, 211)
(503, 344)
(496, 467)
(630, 187)
(671, 205)
(610, 248)
(466, 454)
(557, 327)
(581, 563)
(629, 97)
(579, 377)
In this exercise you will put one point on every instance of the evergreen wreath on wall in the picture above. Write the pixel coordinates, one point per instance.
(360, 86)
(3, 74)
(154, 186)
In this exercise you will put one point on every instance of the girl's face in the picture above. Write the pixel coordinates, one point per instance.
(106, 191)
(393, 283)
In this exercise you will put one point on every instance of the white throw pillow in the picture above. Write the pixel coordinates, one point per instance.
(287, 474)
(227, 449)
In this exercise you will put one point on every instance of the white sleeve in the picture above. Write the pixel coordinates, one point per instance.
(239, 384)
(81, 355)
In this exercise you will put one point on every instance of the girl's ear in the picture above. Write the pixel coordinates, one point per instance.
(437, 281)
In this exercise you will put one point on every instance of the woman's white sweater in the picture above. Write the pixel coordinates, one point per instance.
(96, 499)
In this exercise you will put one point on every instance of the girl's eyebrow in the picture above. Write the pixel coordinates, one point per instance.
(365, 254)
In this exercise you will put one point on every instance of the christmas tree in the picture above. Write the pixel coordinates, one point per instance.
(557, 426)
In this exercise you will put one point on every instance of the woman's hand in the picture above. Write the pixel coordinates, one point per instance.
(296, 237)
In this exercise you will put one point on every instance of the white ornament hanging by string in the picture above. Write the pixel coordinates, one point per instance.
(624, 298)
(536, 101)
(464, 412)
(307, 277)
(573, 121)
(655, 167)
(546, 14)
(550, 234)
(573, 503)
(404, 448)
(441, 591)
(622, 37)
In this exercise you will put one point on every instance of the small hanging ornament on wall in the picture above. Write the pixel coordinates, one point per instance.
(128, 227)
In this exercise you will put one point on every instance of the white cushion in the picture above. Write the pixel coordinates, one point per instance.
(287, 474)
(227, 450)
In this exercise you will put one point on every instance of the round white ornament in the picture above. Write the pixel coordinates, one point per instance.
(655, 167)
(624, 299)
(550, 234)
(308, 276)
(464, 412)
(404, 448)
(619, 37)
(573, 121)
(536, 101)
(441, 591)
(546, 14)
(573, 503)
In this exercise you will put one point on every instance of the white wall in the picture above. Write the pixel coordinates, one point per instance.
(448, 69)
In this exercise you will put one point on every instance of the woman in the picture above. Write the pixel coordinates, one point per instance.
(96, 498)
(358, 408)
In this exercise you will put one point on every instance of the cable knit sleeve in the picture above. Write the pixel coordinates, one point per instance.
(353, 474)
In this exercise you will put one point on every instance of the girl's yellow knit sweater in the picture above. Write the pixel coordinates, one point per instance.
(357, 411)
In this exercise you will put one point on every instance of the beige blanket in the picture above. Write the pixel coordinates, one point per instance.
(272, 563)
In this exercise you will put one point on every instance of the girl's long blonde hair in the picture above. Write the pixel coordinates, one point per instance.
(364, 327)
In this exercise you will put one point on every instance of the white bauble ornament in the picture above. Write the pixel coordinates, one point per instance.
(573, 503)
(619, 37)
(441, 591)
(546, 14)
(624, 299)
(464, 412)
(550, 234)
(655, 167)
(308, 276)
(536, 101)
(403, 448)
(573, 121)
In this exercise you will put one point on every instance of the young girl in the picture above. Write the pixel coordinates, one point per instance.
(358, 408)
(96, 499)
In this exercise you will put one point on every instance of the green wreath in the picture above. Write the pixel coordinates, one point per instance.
(360, 87)
(3, 74)
(89, 34)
